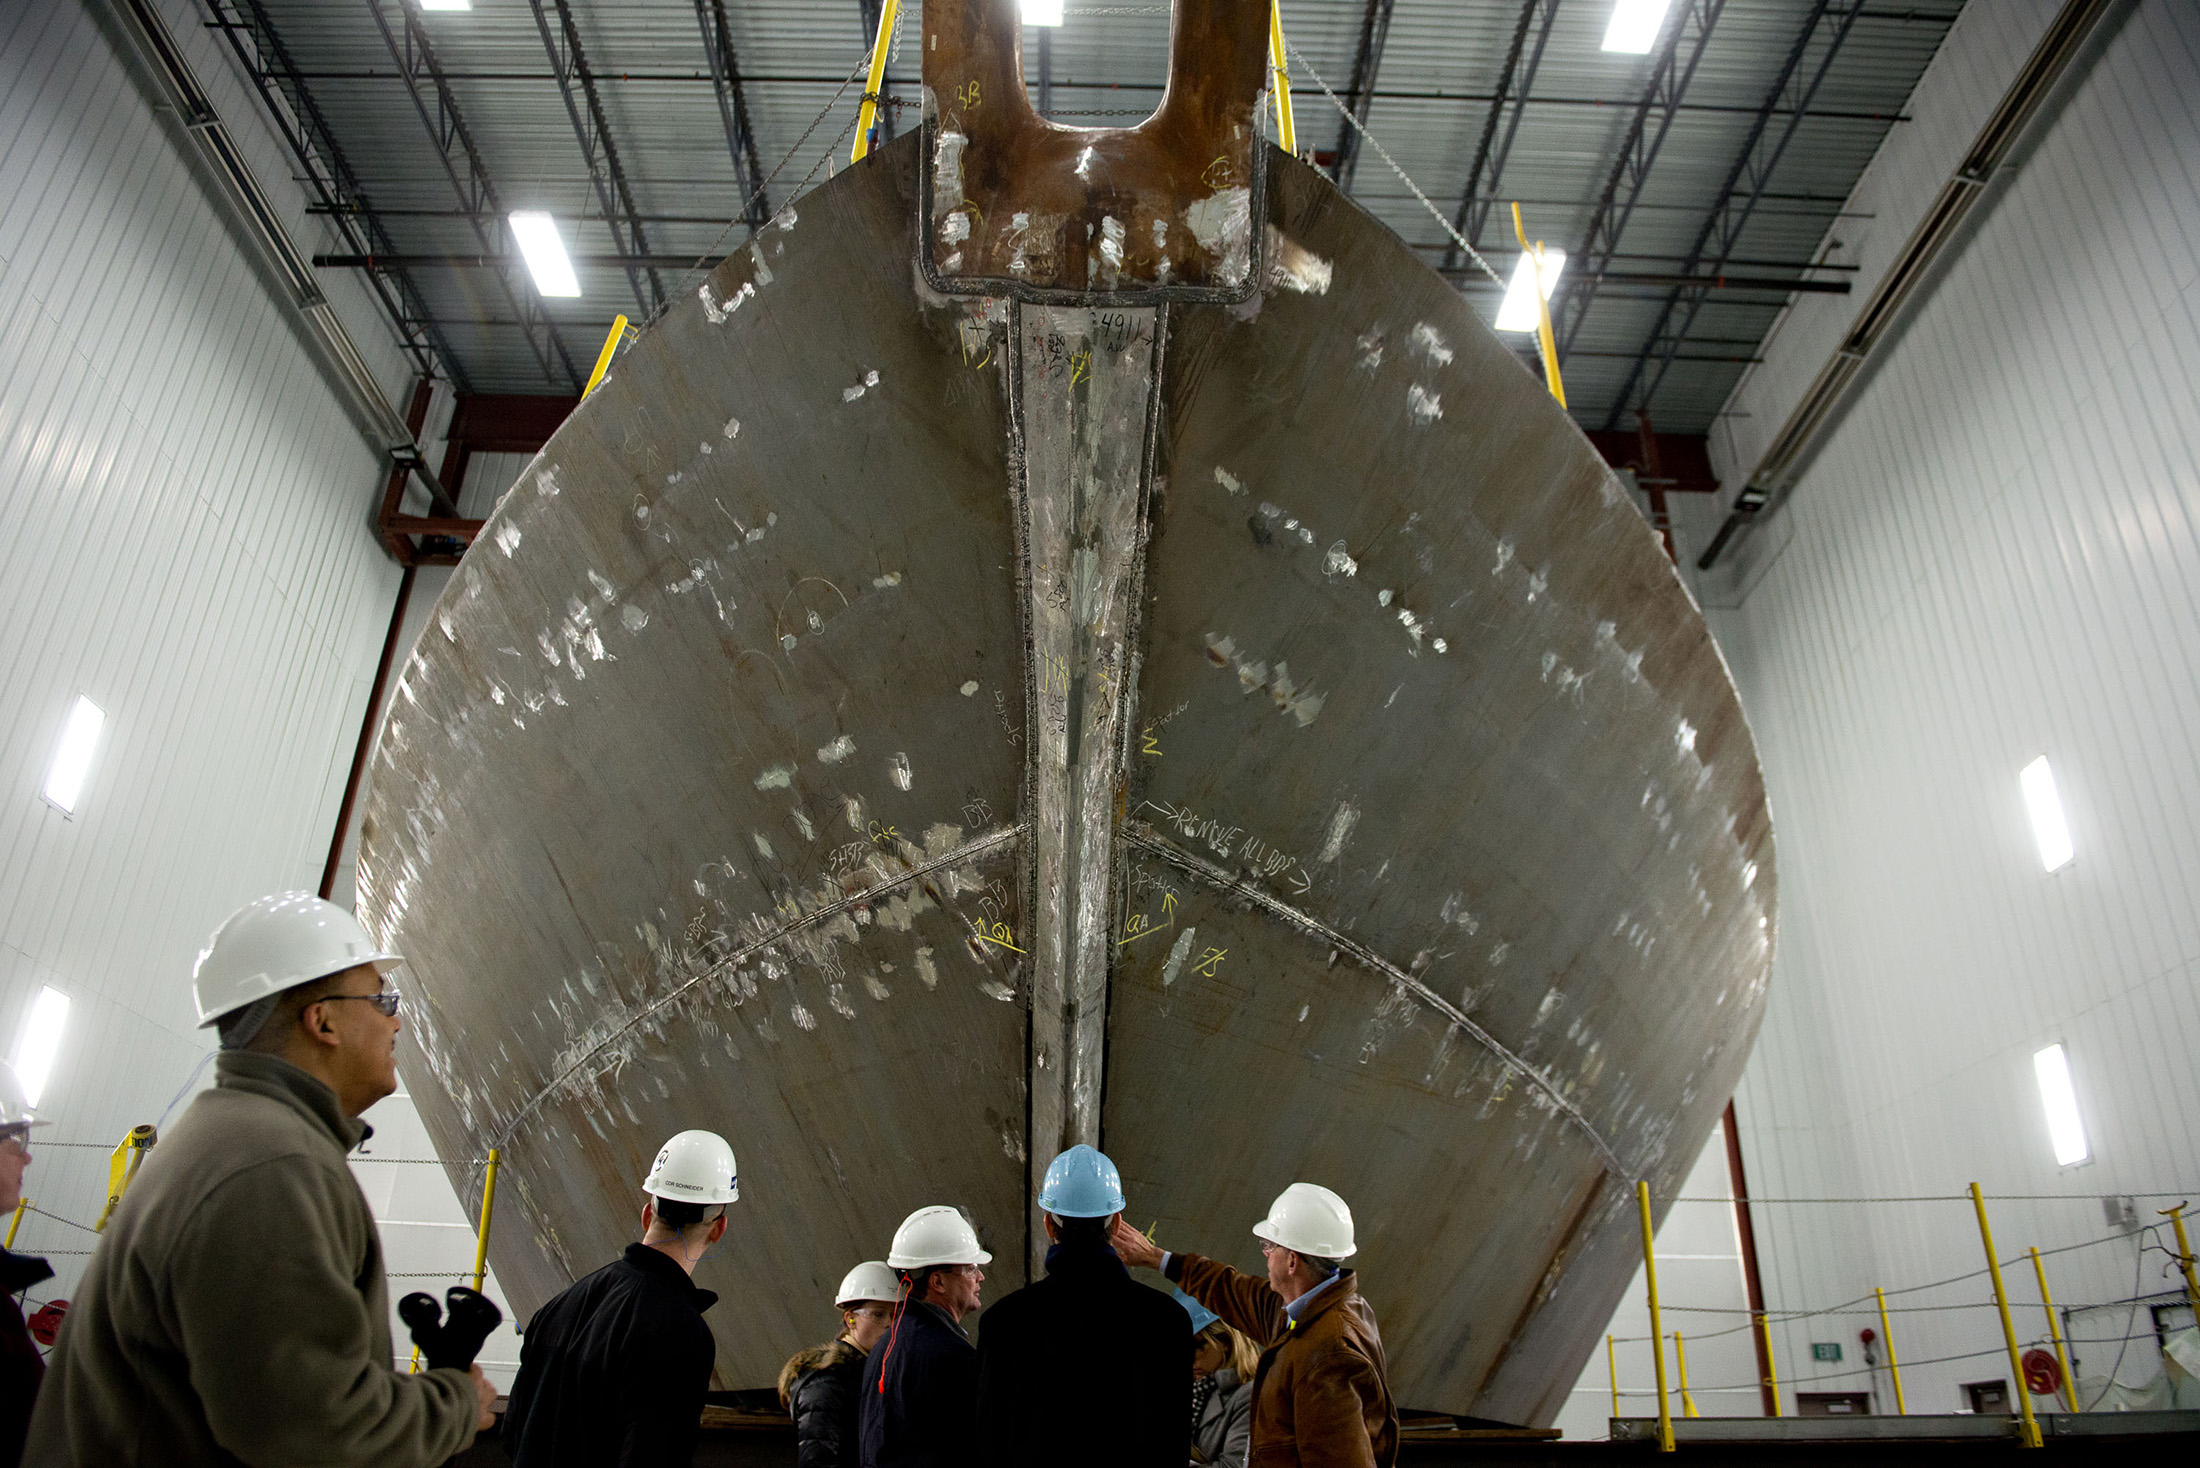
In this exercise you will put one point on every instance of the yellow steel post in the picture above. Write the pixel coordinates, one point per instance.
(488, 1207)
(1894, 1367)
(1286, 134)
(122, 1166)
(1657, 1325)
(16, 1222)
(2176, 1217)
(2054, 1332)
(2029, 1431)
(1680, 1362)
(1551, 379)
(1772, 1371)
(603, 358)
(869, 112)
(1611, 1361)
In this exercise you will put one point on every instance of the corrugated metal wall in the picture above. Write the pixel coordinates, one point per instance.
(183, 538)
(1995, 558)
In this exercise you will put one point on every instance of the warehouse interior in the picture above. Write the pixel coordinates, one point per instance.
(1883, 317)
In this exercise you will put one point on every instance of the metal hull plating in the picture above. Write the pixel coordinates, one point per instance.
(909, 734)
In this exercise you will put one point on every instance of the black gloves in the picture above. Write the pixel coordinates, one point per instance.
(456, 1341)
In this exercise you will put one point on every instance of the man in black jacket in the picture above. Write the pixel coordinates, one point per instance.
(920, 1388)
(1086, 1366)
(615, 1368)
(21, 1367)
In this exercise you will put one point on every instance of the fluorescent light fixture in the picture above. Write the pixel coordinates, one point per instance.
(446, 4)
(72, 762)
(41, 1041)
(1635, 25)
(2048, 826)
(2065, 1128)
(1041, 12)
(547, 261)
(1518, 313)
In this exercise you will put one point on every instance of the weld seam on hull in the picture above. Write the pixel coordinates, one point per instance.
(780, 934)
(1147, 839)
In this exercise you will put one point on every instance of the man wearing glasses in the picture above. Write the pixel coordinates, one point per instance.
(236, 1306)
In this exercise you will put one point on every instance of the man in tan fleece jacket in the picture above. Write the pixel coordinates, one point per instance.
(235, 1309)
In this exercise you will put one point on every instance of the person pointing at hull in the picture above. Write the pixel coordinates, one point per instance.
(1321, 1394)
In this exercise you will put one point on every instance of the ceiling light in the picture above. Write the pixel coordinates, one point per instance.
(2065, 1128)
(72, 762)
(2048, 826)
(1041, 12)
(41, 1041)
(446, 4)
(1519, 312)
(547, 261)
(1635, 25)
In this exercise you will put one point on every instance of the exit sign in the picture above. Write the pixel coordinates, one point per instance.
(1825, 1350)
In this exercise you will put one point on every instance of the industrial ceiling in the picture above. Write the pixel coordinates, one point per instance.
(1695, 188)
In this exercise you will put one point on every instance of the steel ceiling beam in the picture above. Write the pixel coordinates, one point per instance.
(477, 191)
(592, 130)
(1671, 70)
(1738, 196)
(1502, 123)
(1359, 95)
(290, 108)
(733, 111)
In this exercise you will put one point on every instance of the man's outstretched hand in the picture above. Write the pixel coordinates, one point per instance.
(1133, 1247)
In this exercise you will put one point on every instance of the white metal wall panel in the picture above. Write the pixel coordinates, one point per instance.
(1995, 557)
(183, 537)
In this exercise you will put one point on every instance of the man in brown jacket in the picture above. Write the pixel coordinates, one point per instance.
(1321, 1395)
(235, 1309)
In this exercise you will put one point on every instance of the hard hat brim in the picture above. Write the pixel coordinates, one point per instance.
(1266, 1231)
(382, 963)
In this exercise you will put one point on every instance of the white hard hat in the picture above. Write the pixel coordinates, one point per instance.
(935, 1235)
(277, 943)
(1307, 1218)
(694, 1167)
(870, 1280)
(15, 1102)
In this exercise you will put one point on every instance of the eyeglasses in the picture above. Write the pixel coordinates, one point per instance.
(385, 1003)
(873, 1312)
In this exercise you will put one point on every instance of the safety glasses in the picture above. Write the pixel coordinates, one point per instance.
(385, 1003)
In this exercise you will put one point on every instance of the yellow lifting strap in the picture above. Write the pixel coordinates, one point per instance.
(887, 15)
(128, 1157)
(1543, 312)
(1286, 134)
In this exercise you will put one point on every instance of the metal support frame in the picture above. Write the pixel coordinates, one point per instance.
(1502, 124)
(289, 107)
(1745, 185)
(477, 191)
(1672, 69)
(1359, 95)
(592, 130)
(733, 111)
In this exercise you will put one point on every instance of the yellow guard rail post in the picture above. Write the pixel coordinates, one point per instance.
(2176, 1217)
(488, 1209)
(2054, 1332)
(1286, 133)
(16, 1222)
(1680, 1362)
(129, 1156)
(868, 116)
(603, 358)
(1772, 1371)
(1611, 1361)
(2028, 1433)
(1551, 379)
(1657, 1325)
(1894, 1367)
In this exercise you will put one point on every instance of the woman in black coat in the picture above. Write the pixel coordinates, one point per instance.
(819, 1386)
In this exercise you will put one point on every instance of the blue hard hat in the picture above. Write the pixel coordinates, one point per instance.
(1082, 1183)
(1202, 1317)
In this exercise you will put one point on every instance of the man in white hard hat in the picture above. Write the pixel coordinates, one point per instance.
(614, 1370)
(1087, 1344)
(1321, 1397)
(21, 1367)
(821, 1387)
(920, 1389)
(235, 1309)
